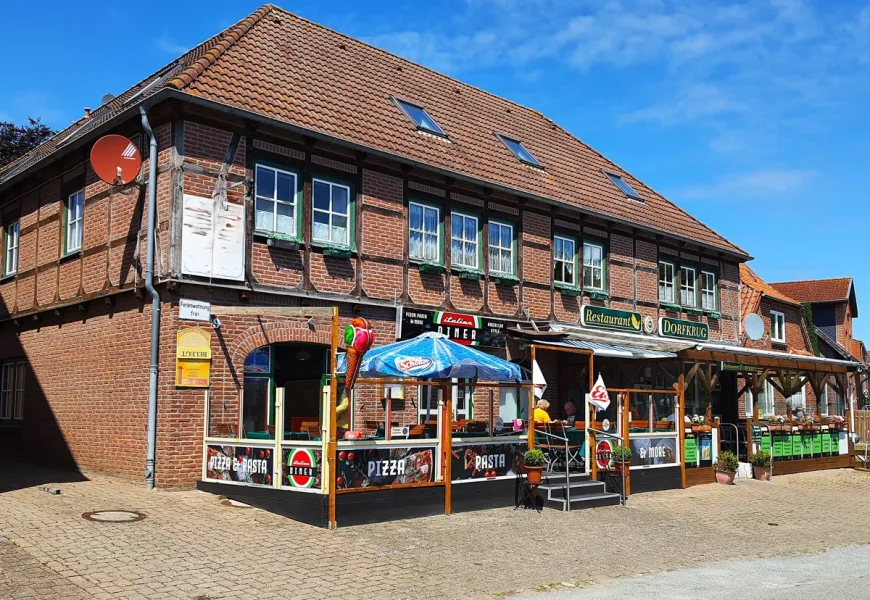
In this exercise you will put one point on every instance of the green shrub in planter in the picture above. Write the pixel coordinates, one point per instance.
(727, 462)
(621, 454)
(535, 458)
(760, 459)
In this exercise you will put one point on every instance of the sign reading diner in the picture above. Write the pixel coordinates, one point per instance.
(689, 330)
(610, 318)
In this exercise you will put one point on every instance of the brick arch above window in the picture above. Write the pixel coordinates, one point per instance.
(265, 334)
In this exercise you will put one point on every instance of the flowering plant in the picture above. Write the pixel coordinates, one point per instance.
(776, 419)
(700, 420)
(837, 419)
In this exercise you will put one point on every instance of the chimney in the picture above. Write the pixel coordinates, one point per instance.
(87, 113)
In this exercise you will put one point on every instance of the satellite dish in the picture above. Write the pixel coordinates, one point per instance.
(115, 159)
(106, 98)
(754, 327)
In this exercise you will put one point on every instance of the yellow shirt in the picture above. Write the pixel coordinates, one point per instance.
(541, 416)
(342, 414)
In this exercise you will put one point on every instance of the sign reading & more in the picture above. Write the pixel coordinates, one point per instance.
(610, 318)
(687, 330)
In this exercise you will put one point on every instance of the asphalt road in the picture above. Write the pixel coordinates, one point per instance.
(840, 573)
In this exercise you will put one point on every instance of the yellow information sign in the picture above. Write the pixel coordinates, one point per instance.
(192, 358)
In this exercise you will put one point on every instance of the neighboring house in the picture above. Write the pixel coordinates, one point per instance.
(337, 175)
(834, 306)
(785, 330)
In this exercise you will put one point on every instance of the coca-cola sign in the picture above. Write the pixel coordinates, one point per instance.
(469, 330)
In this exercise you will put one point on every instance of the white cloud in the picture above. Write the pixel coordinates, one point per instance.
(751, 185)
(170, 46)
(694, 102)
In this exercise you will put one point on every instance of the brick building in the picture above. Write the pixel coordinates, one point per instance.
(298, 167)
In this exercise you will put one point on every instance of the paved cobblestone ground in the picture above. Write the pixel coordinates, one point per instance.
(191, 546)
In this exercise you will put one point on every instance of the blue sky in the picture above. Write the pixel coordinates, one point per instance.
(750, 115)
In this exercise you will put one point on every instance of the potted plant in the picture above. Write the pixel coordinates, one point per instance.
(701, 423)
(808, 423)
(760, 465)
(726, 467)
(836, 422)
(778, 423)
(621, 456)
(534, 461)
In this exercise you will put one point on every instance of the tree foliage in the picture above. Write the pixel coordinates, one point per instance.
(18, 140)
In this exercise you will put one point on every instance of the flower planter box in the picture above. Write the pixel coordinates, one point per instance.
(702, 428)
(761, 473)
(725, 477)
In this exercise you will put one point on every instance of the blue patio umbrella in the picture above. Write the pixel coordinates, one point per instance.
(433, 356)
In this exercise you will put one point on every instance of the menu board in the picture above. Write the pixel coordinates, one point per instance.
(705, 449)
(376, 466)
(690, 450)
(649, 451)
(817, 442)
(826, 442)
(486, 461)
(243, 464)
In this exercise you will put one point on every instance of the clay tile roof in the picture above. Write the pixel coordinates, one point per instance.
(751, 280)
(817, 290)
(284, 67)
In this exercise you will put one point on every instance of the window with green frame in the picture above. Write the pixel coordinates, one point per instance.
(465, 241)
(257, 398)
(277, 201)
(564, 260)
(74, 212)
(332, 215)
(688, 287)
(424, 232)
(709, 295)
(502, 252)
(10, 249)
(594, 266)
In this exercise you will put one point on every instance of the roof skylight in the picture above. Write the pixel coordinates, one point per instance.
(420, 117)
(622, 185)
(519, 151)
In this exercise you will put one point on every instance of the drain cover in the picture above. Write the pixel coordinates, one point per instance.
(114, 516)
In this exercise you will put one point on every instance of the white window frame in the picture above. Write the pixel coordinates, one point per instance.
(769, 400)
(331, 212)
(587, 247)
(464, 413)
(668, 282)
(10, 249)
(463, 241)
(275, 201)
(685, 288)
(800, 396)
(75, 213)
(708, 292)
(777, 326)
(12, 391)
(572, 261)
(499, 248)
(423, 233)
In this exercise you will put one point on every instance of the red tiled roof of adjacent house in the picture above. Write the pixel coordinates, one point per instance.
(753, 290)
(284, 67)
(817, 290)
(753, 283)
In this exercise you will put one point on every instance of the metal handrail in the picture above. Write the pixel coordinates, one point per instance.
(567, 471)
(737, 443)
(614, 436)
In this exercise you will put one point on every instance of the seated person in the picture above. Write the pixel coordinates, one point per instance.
(541, 415)
(571, 416)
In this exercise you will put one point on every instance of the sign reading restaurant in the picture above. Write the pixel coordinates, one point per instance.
(598, 316)
(687, 330)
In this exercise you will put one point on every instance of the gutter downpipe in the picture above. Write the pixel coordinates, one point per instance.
(155, 303)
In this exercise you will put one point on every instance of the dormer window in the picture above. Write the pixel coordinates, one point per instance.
(622, 185)
(520, 151)
(420, 117)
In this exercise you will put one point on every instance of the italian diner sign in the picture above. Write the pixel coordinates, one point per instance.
(469, 330)
(610, 318)
(687, 330)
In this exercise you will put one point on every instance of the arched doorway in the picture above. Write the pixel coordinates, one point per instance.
(301, 369)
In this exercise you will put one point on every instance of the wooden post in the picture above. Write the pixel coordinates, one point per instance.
(625, 399)
(681, 420)
(447, 448)
(331, 425)
(532, 405)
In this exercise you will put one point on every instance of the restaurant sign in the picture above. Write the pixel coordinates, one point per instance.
(301, 467)
(649, 451)
(689, 330)
(610, 318)
(370, 467)
(242, 464)
(192, 357)
(486, 461)
(734, 367)
(468, 330)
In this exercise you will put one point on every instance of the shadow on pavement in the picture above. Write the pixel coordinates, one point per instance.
(15, 475)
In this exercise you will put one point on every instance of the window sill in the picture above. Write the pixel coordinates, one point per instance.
(10, 425)
(568, 290)
(713, 314)
(596, 294)
(274, 235)
(464, 273)
(337, 252)
(8, 278)
(670, 307)
(694, 312)
(429, 267)
(70, 256)
(780, 343)
(504, 279)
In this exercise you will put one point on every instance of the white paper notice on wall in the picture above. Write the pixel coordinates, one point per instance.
(213, 239)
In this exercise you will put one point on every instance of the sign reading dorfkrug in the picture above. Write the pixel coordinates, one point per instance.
(598, 316)
(688, 330)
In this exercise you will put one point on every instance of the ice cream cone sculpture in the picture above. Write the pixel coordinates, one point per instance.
(358, 336)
